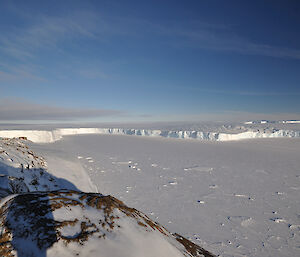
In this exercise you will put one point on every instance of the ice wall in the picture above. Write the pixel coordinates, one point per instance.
(43, 136)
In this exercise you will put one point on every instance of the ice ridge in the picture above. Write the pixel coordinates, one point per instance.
(44, 136)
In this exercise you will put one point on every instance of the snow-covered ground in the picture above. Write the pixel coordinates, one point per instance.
(233, 198)
(44, 215)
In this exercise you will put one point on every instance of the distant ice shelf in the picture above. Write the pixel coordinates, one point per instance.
(272, 122)
(44, 136)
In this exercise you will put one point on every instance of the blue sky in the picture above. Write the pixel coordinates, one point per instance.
(149, 60)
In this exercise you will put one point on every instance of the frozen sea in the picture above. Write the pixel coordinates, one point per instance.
(239, 198)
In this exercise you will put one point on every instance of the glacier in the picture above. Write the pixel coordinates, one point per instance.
(49, 136)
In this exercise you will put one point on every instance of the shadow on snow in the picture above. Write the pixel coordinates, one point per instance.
(27, 214)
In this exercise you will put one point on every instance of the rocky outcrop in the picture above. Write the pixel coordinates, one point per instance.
(11, 185)
(21, 170)
(71, 223)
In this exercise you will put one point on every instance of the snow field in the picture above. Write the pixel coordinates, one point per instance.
(232, 198)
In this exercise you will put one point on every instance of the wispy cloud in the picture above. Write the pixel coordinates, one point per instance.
(196, 34)
(44, 32)
(43, 35)
(18, 72)
(19, 109)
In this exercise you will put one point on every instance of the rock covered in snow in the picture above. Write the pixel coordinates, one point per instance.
(11, 185)
(21, 170)
(73, 223)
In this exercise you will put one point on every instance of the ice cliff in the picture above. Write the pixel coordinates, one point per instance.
(44, 136)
